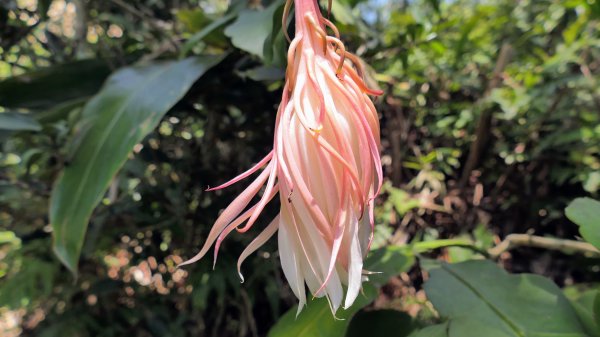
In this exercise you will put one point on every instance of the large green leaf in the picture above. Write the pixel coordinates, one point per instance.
(275, 46)
(379, 323)
(439, 330)
(49, 86)
(585, 212)
(471, 326)
(462, 327)
(583, 302)
(128, 107)
(343, 13)
(387, 262)
(597, 309)
(478, 296)
(60, 111)
(252, 29)
(316, 319)
(18, 122)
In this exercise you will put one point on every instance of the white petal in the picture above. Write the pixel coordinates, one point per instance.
(260, 240)
(290, 264)
(355, 265)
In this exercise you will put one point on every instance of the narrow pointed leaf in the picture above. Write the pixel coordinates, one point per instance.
(44, 88)
(18, 122)
(206, 31)
(128, 107)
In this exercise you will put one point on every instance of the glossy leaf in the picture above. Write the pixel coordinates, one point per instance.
(129, 106)
(18, 122)
(439, 330)
(276, 45)
(461, 327)
(597, 309)
(585, 212)
(379, 323)
(264, 73)
(478, 295)
(49, 86)
(316, 319)
(583, 302)
(342, 13)
(252, 29)
(387, 262)
(60, 111)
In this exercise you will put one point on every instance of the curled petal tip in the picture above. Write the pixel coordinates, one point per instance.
(183, 264)
(375, 92)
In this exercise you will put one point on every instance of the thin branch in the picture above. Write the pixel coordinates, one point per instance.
(512, 241)
(482, 133)
(525, 240)
(422, 247)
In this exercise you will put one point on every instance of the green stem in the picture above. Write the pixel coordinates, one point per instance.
(422, 247)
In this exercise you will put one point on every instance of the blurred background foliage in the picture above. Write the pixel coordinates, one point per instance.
(490, 124)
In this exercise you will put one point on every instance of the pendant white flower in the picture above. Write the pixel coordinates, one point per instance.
(325, 165)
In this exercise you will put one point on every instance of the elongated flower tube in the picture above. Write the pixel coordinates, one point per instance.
(325, 166)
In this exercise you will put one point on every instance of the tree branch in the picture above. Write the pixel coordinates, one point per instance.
(526, 240)
(482, 132)
(510, 242)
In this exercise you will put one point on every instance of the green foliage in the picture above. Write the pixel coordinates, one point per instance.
(439, 330)
(205, 31)
(585, 212)
(47, 87)
(251, 31)
(85, 82)
(582, 301)
(128, 107)
(480, 299)
(18, 122)
(316, 319)
(379, 323)
(388, 261)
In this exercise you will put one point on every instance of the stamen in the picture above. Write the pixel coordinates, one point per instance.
(341, 52)
(331, 26)
(357, 64)
(363, 87)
